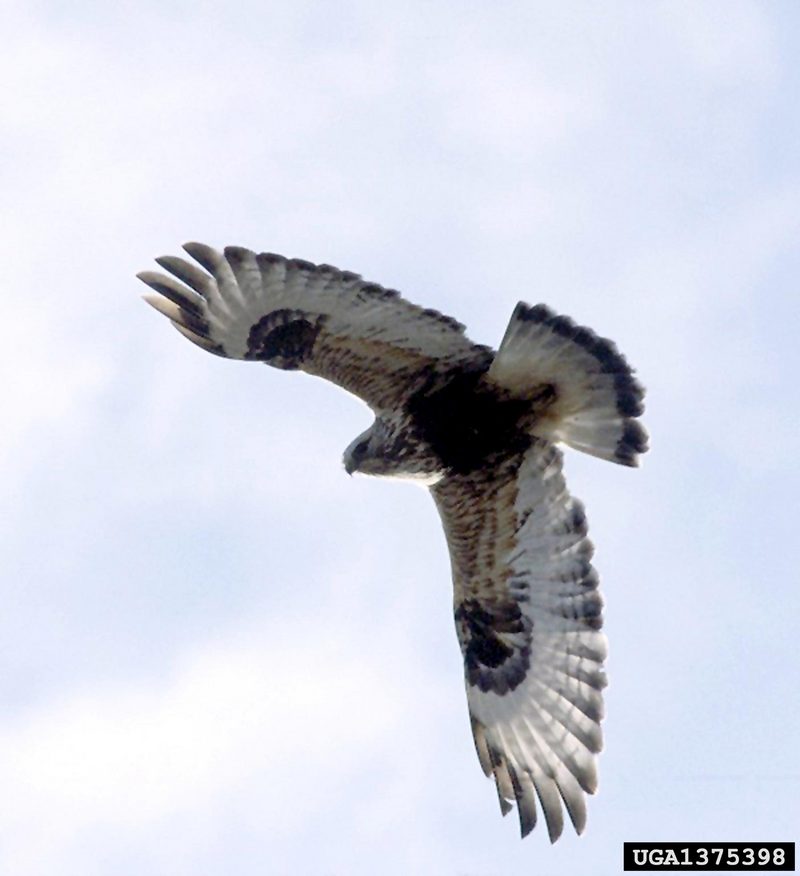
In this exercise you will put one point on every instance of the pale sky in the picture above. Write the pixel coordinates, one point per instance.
(221, 655)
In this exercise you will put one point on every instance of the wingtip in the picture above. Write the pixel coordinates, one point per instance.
(162, 305)
(555, 825)
(193, 245)
(206, 255)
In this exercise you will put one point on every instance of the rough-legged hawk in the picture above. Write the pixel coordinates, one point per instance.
(481, 429)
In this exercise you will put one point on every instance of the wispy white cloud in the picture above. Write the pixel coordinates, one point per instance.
(45, 386)
(727, 42)
(257, 707)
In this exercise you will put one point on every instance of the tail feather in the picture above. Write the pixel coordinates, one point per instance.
(594, 399)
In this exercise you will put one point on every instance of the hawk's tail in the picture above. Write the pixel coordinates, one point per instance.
(592, 398)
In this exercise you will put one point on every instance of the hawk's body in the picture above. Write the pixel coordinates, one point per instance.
(479, 428)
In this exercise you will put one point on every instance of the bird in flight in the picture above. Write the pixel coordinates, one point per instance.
(481, 430)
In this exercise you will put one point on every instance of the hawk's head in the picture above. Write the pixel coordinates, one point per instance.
(389, 449)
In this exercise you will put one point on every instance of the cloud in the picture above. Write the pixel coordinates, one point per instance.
(726, 41)
(46, 385)
(254, 706)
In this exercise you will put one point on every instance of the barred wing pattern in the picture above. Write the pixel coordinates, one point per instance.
(527, 609)
(292, 314)
(528, 618)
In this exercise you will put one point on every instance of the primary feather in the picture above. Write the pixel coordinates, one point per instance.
(480, 428)
(315, 318)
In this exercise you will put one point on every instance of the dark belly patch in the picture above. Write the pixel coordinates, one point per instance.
(467, 423)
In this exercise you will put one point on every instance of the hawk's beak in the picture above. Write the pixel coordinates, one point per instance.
(349, 463)
(355, 453)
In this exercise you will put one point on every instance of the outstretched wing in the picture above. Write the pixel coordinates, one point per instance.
(295, 315)
(528, 618)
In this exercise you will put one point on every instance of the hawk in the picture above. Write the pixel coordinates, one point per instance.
(481, 430)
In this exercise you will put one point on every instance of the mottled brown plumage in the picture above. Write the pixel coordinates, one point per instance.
(480, 429)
